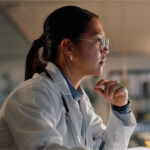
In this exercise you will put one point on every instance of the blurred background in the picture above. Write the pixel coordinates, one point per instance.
(125, 22)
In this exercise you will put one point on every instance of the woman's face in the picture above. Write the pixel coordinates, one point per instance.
(88, 55)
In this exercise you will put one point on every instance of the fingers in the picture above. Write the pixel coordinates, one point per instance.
(106, 88)
(99, 87)
(112, 91)
(121, 96)
(120, 92)
(100, 83)
(110, 86)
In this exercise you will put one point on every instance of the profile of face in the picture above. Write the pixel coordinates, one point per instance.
(88, 56)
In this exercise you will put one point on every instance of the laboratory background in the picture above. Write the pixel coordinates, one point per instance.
(127, 25)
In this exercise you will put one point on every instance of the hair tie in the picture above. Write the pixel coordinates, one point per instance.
(41, 40)
(38, 43)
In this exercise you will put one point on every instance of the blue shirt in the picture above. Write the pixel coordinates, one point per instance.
(76, 94)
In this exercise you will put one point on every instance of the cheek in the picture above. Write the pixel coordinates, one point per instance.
(90, 55)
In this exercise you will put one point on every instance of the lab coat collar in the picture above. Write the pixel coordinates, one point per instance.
(76, 93)
(58, 78)
(61, 82)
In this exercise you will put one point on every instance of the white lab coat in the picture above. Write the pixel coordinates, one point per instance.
(34, 117)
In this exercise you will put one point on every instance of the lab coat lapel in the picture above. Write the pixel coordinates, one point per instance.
(62, 86)
(85, 110)
(87, 119)
(73, 119)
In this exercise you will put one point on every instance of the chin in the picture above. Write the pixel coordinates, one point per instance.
(98, 72)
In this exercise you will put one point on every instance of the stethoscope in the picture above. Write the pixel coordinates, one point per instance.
(67, 116)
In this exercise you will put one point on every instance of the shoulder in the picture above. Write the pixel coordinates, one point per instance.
(34, 86)
(37, 93)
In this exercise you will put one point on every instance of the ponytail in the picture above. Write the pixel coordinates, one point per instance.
(33, 63)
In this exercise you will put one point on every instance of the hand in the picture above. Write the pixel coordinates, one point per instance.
(113, 92)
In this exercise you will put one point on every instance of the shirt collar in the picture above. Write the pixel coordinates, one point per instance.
(76, 94)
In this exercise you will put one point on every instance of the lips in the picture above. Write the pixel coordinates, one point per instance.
(103, 61)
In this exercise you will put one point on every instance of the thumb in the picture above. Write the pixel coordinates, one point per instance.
(100, 90)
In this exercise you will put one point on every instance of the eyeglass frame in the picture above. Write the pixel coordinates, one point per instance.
(103, 41)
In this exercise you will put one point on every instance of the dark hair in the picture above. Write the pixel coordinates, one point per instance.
(65, 22)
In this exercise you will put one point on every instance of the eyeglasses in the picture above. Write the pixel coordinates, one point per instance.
(103, 42)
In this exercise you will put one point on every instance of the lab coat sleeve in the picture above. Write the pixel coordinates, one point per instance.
(118, 134)
(114, 136)
(31, 118)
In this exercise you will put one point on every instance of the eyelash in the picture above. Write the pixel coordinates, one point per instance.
(97, 40)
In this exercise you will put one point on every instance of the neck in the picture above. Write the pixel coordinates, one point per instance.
(73, 75)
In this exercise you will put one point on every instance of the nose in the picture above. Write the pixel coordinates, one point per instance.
(105, 52)
(104, 45)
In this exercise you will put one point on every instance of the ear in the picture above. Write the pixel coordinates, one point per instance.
(66, 46)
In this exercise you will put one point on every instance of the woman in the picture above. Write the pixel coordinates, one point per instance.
(50, 110)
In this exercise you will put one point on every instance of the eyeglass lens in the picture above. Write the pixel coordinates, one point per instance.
(105, 44)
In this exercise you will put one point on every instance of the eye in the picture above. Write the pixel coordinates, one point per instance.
(98, 40)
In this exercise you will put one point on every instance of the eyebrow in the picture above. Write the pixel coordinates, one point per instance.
(98, 33)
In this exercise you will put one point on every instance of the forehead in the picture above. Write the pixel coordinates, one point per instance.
(93, 28)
